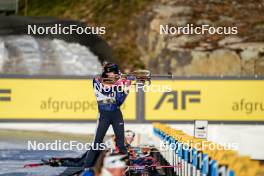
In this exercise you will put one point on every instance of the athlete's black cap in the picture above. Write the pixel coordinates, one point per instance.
(111, 67)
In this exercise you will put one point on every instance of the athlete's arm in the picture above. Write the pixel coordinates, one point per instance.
(122, 94)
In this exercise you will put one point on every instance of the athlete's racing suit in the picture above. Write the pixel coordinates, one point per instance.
(109, 103)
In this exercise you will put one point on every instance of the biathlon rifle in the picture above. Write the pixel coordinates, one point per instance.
(138, 76)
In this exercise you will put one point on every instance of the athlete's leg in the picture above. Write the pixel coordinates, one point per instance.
(102, 127)
(118, 127)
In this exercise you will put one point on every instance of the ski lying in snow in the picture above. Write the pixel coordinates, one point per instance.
(44, 162)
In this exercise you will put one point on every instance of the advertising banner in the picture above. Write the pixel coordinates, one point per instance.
(58, 99)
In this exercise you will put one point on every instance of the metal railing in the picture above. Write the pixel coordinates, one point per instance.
(194, 159)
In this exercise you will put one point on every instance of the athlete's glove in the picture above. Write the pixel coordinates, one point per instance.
(122, 81)
(54, 162)
(124, 84)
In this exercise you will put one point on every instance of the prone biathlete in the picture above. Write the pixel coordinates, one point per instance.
(79, 161)
(109, 98)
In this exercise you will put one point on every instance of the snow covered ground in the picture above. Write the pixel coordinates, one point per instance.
(249, 138)
(14, 153)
